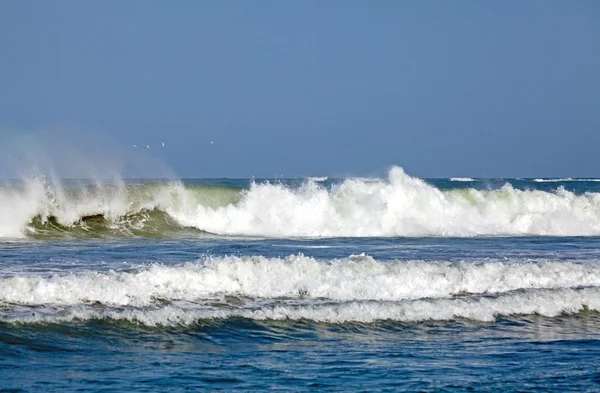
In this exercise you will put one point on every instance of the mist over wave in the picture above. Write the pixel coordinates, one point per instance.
(400, 205)
(42, 208)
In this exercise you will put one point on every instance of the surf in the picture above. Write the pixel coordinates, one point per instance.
(354, 289)
(397, 206)
(42, 209)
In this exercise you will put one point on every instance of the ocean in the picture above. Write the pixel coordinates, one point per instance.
(316, 284)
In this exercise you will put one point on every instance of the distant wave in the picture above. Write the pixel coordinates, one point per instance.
(318, 179)
(400, 205)
(553, 180)
(566, 179)
(463, 179)
(354, 289)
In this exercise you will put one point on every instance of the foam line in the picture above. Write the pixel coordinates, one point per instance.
(295, 277)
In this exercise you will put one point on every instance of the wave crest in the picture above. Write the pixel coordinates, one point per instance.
(400, 205)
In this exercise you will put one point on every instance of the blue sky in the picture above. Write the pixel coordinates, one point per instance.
(465, 88)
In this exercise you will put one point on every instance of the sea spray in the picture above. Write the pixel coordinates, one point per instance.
(398, 206)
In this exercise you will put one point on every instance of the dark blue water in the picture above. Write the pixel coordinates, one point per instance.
(239, 313)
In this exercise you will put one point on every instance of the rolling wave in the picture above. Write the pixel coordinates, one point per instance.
(355, 289)
(42, 210)
(400, 205)
(549, 303)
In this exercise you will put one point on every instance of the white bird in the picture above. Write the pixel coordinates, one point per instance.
(135, 146)
(163, 144)
(212, 143)
(147, 146)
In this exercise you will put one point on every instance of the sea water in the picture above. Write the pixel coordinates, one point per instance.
(358, 284)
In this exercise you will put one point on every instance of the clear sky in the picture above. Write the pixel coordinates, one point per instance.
(441, 88)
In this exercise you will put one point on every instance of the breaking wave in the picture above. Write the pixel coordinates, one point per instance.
(400, 205)
(355, 289)
(40, 209)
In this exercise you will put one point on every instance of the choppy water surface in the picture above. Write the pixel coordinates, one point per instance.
(313, 284)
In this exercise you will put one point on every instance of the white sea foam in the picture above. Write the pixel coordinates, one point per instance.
(295, 277)
(318, 179)
(566, 179)
(398, 206)
(462, 179)
(358, 288)
(44, 199)
(548, 303)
